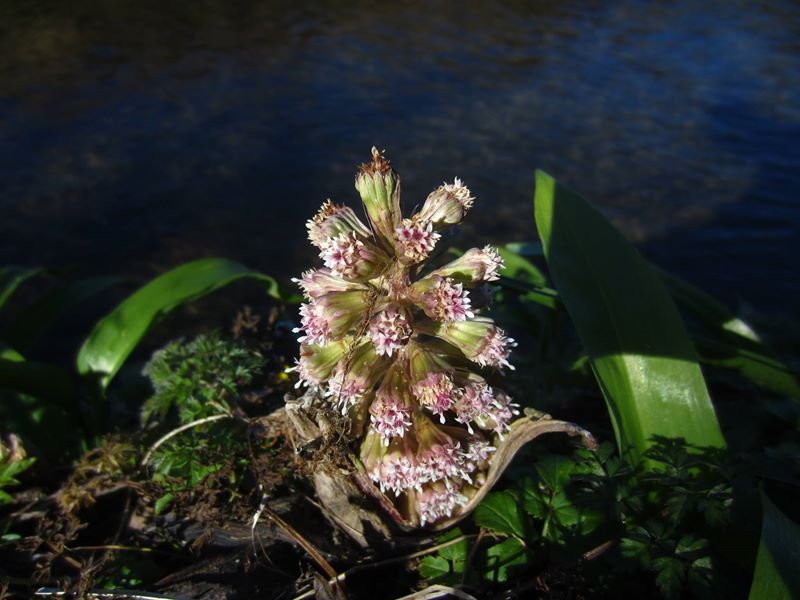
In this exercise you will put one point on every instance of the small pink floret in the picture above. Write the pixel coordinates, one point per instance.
(433, 505)
(437, 392)
(343, 254)
(314, 323)
(389, 330)
(390, 418)
(448, 302)
(496, 350)
(415, 239)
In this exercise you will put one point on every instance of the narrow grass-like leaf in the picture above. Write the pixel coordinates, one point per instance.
(116, 335)
(759, 367)
(11, 278)
(640, 351)
(777, 572)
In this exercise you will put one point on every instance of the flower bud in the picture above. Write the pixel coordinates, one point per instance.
(479, 339)
(316, 363)
(473, 267)
(353, 258)
(355, 377)
(316, 283)
(379, 187)
(333, 220)
(447, 205)
(331, 316)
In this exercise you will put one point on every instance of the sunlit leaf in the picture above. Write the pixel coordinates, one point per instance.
(777, 572)
(640, 351)
(116, 335)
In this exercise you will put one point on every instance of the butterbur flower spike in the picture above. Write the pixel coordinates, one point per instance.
(402, 354)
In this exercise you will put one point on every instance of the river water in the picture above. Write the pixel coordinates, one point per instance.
(135, 135)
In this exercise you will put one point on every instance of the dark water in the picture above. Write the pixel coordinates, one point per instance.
(135, 135)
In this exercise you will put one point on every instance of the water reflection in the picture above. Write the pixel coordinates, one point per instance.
(142, 134)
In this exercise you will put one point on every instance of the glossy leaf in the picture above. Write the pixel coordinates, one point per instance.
(11, 278)
(777, 571)
(640, 351)
(116, 335)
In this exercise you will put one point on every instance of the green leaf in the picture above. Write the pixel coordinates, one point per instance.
(163, 502)
(526, 248)
(777, 572)
(448, 565)
(502, 556)
(641, 354)
(116, 335)
(455, 552)
(500, 512)
(11, 278)
(758, 365)
(517, 267)
(29, 326)
(437, 569)
(541, 295)
(671, 572)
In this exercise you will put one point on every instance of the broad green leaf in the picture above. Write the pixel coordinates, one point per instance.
(448, 565)
(116, 335)
(777, 572)
(502, 556)
(500, 512)
(455, 552)
(39, 316)
(11, 278)
(437, 569)
(641, 354)
(671, 573)
(517, 267)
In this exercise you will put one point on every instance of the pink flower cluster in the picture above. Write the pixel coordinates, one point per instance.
(394, 342)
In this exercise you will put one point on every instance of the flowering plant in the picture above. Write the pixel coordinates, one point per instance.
(395, 344)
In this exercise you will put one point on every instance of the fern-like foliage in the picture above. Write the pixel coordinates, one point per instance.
(199, 377)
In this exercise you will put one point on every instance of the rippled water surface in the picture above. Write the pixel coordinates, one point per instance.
(135, 135)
